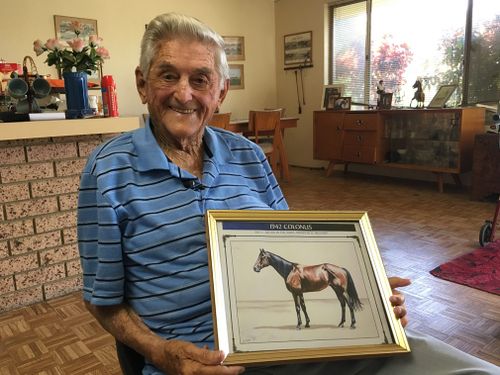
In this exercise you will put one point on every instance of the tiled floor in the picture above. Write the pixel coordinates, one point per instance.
(416, 228)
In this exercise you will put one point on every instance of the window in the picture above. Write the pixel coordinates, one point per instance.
(348, 66)
(400, 41)
(484, 71)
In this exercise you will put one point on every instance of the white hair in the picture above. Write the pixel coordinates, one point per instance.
(169, 26)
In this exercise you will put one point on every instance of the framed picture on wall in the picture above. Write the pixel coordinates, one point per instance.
(236, 76)
(65, 30)
(298, 50)
(259, 259)
(234, 47)
(64, 27)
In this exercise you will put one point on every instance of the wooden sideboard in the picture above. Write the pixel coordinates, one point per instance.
(435, 140)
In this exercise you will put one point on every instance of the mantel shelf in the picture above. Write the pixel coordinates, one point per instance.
(63, 128)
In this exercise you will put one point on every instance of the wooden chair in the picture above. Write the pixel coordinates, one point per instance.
(283, 110)
(220, 120)
(265, 126)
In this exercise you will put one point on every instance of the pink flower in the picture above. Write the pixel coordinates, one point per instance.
(54, 44)
(38, 47)
(95, 40)
(76, 44)
(75, 55)
(103, 52)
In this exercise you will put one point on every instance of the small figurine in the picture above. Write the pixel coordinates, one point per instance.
(380, 91)
(380, 87)
(419, 95)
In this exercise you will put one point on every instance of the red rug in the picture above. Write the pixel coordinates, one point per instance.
(479, 269)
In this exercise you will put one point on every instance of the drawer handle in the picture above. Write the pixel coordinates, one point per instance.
(358, 154)
(360, 138)
(359, 122)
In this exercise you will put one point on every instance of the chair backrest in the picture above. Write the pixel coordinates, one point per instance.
(283, 111)
(220, 120)
(264, 121)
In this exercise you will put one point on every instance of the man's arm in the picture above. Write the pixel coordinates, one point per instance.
(170, 356)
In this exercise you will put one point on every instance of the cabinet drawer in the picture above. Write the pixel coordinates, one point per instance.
(360, 138)
(360, 121)
(359, 154)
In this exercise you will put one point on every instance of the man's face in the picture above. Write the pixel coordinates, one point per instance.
(182, 90)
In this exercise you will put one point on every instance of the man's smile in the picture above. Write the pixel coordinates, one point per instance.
(184, 111)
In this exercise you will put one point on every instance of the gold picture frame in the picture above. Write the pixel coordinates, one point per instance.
(234, 46)
(255, 321)
(64, 32)
(236, 76)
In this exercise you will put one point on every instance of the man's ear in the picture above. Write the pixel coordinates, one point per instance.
(140, 83)
(223, 92)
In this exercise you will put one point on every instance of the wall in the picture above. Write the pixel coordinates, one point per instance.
(121, 25)
(293, 17)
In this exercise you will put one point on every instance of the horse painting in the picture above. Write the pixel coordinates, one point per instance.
(301, 279)
(419, 95)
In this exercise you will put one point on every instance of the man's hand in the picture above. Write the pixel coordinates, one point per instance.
(184, 358)
(398, 299)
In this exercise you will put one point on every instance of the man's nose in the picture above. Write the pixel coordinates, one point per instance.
(183, 91)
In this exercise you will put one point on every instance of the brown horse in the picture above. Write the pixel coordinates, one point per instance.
(301, 279)
(419, 95)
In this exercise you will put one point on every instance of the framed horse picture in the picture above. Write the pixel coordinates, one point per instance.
(298, 285)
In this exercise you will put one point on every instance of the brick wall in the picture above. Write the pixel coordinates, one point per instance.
(39, 181)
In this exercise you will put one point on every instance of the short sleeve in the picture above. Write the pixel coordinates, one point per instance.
(99, 244)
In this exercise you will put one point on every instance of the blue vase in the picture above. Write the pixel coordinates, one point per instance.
(77, 95)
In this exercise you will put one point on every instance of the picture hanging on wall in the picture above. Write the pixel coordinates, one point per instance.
(64, 28)
(298, 50)
(236, 76)
(234, 46)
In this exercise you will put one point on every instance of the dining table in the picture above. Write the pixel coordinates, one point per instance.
(241, 126)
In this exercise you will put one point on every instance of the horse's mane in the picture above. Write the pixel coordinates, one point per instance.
(285, 265)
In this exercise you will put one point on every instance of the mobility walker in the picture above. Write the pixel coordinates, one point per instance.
(487, 232)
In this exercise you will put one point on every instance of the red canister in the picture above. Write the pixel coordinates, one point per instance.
(109, 100)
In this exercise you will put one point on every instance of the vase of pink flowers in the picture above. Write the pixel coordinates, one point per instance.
(75, 59)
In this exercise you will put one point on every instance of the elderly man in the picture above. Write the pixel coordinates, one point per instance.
(142, 202)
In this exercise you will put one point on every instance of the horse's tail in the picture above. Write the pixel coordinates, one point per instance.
(352, 292)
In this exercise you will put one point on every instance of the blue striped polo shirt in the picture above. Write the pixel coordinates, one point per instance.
(141, 231)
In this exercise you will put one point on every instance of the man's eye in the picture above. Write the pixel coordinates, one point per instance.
(170, 77)
(200, 82)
